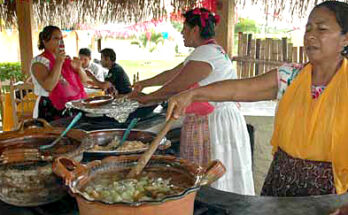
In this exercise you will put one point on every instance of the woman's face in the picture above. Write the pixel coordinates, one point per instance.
(187, 33)
(323, 39)
(53, 43)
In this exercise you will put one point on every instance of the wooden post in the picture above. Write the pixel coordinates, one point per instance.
(268, 53)
(301, 58)
(262, 56)
(289, 59)
(240, 53)
(99, 44)
(295, 55)
(252, 56)
(25, 27)
(245, 71)
(225, 29)
(257, 57)
(248, 65)
(77, 43)
(285, 48)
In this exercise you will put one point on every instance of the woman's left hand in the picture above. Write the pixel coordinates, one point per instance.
(177, 104)
(76, 64)
(140, 97)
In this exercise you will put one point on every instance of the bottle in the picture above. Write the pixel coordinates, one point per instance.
(61, 45)
(134, 79)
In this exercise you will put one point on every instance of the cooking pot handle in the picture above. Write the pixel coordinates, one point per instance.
(25, 124)
(70, 169)
(213, 172)
(165, 145)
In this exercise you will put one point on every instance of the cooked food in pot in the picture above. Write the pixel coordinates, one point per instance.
(112, 188)
(127, 146)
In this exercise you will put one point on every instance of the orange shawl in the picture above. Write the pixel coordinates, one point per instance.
(316, 129)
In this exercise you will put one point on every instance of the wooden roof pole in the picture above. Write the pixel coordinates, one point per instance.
(225, 29)
(25, 28)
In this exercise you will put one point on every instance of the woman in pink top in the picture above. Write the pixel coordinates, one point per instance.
(57, 78)
(211, 130)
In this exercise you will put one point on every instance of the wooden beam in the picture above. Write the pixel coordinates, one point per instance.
(225, 29)
(25, 27)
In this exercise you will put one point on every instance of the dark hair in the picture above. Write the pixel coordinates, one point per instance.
(195, 17)
(340, 9)
(45, 35)
(109, 53)
(85, 52)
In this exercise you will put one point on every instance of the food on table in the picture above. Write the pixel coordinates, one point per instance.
(114, 188)
(127, 146)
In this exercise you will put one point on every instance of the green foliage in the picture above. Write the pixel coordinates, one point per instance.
(148, 43)
(11, 70)
(246, 26)
(177, 25)
(177, 48)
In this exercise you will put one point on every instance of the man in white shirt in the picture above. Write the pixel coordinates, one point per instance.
(98, 71)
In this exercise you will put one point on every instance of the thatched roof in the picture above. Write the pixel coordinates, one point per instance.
(297, 8)
(67, 13)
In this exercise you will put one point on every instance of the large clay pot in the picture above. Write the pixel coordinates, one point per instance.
(31, 182)
(77, 176)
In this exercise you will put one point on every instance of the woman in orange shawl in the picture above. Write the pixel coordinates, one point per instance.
(309, 140)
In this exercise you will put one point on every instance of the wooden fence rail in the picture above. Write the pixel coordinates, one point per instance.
(257, 56)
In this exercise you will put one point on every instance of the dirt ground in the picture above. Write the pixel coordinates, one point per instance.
(263, 128)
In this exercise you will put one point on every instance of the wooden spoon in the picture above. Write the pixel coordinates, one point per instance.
(144, 159)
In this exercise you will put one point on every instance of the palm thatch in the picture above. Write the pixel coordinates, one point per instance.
(297, 8)
(68, 13)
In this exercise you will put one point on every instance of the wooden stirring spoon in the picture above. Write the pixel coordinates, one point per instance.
(144, 159)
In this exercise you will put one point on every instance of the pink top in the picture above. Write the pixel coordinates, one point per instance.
(199, 108)
(69, 87)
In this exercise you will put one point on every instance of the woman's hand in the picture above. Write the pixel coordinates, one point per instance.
(178, 103)
(139, 86)
(60, 56)
(76, 63)
(89, 73)
(140, 97)
(109, 88)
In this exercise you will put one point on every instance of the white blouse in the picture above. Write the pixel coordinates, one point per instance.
(38, 89)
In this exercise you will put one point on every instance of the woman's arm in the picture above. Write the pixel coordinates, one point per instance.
(159, 79)
(83, 76)
(48, 80)
(192, 72)
(263, 87)
(76, 64)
